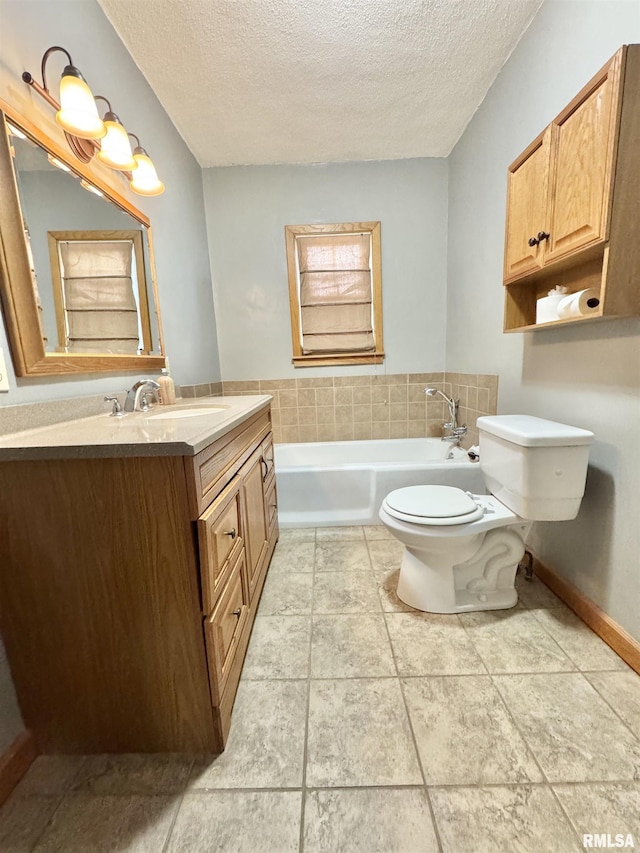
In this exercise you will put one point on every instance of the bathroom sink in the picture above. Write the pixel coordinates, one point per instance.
(197, 411)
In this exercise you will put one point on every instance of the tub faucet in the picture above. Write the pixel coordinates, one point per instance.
(136, 400)
(455, 432)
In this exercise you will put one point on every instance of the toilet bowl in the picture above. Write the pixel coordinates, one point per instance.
(462, 550)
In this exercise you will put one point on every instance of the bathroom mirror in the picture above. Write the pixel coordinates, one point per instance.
(77, 275)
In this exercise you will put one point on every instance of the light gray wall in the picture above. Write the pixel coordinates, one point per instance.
(587, 375)
(27, 29)
(247, 209)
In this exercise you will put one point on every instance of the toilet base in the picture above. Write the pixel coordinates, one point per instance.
(485, 581)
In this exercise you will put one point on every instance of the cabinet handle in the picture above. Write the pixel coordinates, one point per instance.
(542, 236)
(266, 469)
(237, 613)
(232, 533)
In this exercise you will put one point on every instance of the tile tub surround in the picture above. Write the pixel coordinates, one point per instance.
(344, 408)
(363, 727)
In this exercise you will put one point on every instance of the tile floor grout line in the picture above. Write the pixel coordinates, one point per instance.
(165, 846)
(62, 796)
(519, 729)
(574, 828)
(606, 701)
(525, 672)
(557, 642)
(41, 834)
(436, 829)
(305, 749)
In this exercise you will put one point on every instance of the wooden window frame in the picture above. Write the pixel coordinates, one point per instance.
(315, 360)
(140, 283)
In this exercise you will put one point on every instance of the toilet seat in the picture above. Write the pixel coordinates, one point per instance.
(432, 505)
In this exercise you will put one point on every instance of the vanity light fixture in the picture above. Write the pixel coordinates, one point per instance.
(58, 163)
(90, 188)
(77, 112)
(144, 179)
(87, 133)
(15, 132)
(115, 148)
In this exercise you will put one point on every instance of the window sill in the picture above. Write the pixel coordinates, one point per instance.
(337, 359)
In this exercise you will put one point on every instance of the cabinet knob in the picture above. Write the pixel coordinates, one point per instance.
(232, 533)
(543, 235)
(237, 613)
(533, 241)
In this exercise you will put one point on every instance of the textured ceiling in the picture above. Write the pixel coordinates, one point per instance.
(307, 81)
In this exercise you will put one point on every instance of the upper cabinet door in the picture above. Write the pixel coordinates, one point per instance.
(527, 205)
(583, 141)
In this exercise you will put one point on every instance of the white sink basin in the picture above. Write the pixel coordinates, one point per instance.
(196, 412)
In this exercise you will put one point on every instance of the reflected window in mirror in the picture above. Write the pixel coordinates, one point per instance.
(98, 283)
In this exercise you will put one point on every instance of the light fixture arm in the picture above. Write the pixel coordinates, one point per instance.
(46, 56)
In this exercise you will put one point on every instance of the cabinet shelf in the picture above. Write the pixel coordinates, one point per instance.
(574, 203)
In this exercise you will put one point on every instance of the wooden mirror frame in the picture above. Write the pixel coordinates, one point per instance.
(16, 288)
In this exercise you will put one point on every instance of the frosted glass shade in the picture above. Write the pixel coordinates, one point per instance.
(115, 150)
(78, 113)
(145, 179)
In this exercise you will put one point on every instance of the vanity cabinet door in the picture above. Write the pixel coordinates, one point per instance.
(220, 540)
(527, 198)
(223, 629)
(254, 515)
(584, 137)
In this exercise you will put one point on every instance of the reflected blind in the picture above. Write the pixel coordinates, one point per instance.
(336, 293)
(100, 307)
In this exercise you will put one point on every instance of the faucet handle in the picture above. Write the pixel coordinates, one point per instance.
(116, 411)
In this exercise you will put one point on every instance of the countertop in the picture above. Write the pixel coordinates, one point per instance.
(136, 433)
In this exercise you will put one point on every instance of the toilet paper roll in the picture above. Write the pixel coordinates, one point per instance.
(579, 304)
(547, 307)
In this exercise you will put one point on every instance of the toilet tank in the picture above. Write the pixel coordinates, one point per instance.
(535, 467)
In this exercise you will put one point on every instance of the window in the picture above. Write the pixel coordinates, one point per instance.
(98, 282)
(335, 293)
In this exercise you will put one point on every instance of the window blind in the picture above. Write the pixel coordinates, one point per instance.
(100, 307)
(335, 293)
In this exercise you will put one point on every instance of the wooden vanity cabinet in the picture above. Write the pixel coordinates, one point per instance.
(128, 589)
(572, 202)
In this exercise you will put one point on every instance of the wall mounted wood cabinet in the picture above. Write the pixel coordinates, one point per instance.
(127, 601)
(573, 202)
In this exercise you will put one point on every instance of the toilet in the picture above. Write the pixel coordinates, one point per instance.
(462, 550)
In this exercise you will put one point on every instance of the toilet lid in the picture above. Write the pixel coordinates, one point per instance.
(437, 505)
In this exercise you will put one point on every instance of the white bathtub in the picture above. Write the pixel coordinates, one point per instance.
(344, 482)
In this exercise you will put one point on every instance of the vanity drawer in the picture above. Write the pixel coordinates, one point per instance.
(271, 506)
(267, 455)
(215, 466)
(220, 539)
(223, 629)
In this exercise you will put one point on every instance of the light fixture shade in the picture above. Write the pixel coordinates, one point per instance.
(115, 150)
(78, 113)
(144, 180)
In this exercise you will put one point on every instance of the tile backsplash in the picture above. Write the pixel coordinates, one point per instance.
(334, 408)
(342, 408)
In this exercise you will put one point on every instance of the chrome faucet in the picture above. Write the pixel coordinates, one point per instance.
(137, 400)
(455, 432)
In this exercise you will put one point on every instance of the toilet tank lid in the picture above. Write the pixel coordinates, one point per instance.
(529, 431)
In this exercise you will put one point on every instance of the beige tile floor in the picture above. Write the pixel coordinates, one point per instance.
(362, 726)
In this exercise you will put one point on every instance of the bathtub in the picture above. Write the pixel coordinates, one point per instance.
(344, 482)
